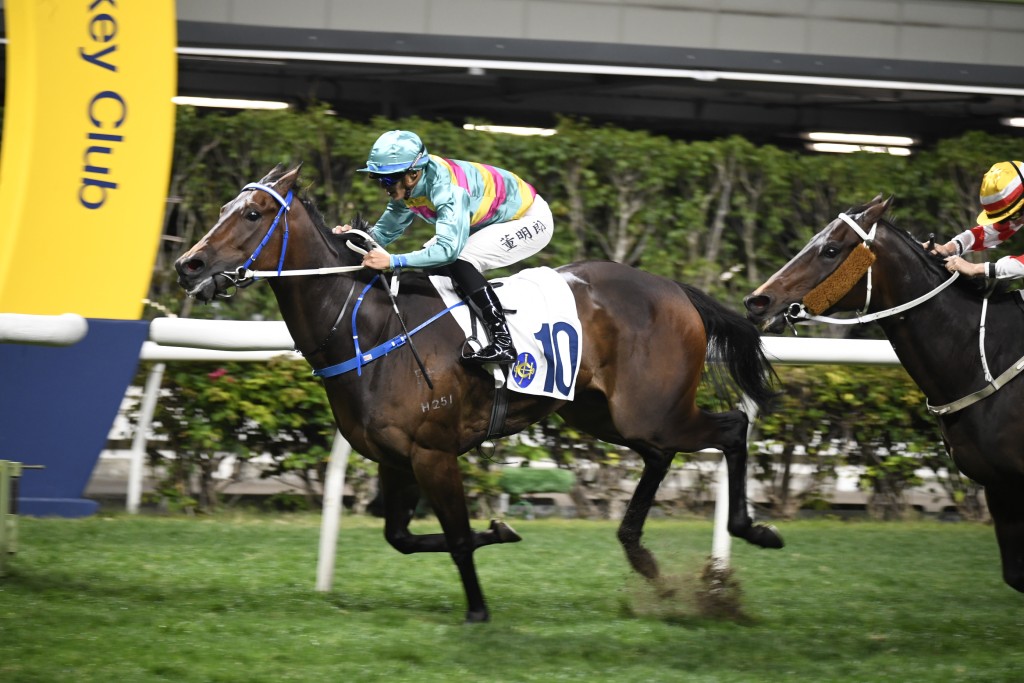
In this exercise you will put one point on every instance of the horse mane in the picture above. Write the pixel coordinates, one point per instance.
(935, 264)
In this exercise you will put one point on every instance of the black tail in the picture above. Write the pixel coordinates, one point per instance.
(735, 342)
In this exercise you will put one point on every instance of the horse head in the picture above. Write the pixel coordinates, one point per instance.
(827, 274)
(245, 226)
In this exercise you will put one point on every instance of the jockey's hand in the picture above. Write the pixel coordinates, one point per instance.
(338, 229)
(955, 264)
(947, 249)
(378, 259)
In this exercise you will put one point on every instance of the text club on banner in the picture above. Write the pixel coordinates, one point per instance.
(88, 135)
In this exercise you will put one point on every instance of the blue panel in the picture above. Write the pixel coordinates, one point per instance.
(57, 405)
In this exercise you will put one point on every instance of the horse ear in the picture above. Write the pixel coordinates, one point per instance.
(272, 173)
(877, 209)
(288, 180)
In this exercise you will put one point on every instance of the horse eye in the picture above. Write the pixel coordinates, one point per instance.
(831, 251)
(252, 215)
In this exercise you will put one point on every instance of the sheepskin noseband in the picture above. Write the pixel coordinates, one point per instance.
(839, 283)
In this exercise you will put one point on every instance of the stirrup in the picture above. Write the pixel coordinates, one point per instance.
(477, 357)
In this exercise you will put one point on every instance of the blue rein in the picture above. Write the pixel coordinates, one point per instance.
(356, 363)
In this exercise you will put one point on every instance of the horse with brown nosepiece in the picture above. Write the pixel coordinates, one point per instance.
(933, 323)
(642, 358)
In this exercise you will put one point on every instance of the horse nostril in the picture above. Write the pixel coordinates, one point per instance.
(187, 267)
(757, 303)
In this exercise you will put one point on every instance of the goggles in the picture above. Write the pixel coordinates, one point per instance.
(388, 180)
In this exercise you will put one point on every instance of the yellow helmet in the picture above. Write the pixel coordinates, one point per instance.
(1002, 192)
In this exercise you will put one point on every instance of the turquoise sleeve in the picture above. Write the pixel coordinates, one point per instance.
(451, 230)
(392, 223)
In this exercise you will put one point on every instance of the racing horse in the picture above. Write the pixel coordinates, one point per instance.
(642, 357)
(951, 336)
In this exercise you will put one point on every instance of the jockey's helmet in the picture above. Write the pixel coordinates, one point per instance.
(396, 151)
(1002, 192)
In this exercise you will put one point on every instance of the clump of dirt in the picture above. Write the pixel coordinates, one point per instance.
(708, 592)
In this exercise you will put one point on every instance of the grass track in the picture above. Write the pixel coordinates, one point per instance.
(230, 598)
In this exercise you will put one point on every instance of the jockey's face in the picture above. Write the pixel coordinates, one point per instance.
(1016, 218)
(403, 186)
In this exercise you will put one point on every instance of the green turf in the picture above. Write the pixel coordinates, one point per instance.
(231, 598)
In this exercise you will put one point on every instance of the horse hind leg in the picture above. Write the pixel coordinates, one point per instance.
(729, 433)
(631, 529)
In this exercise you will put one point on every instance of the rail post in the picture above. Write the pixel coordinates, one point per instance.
(10, 472)
(8, 525)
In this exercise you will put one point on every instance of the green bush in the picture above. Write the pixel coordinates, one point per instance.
(520, 480)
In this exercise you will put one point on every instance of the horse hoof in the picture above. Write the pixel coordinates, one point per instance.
(766, 536)
(481, 617)
(504, 532)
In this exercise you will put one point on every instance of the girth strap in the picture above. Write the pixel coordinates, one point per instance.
(499, 412)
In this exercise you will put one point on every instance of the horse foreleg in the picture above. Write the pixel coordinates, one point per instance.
(631, 529)
(440, 479)
(1008, 515)
(733, 435)
(401, 494)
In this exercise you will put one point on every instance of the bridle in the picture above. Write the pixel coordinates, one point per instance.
(242, 276)
(856, 266)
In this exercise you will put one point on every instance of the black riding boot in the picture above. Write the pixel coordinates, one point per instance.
(486, 305)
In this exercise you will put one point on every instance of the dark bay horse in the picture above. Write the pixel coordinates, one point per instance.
(642, 359)
(934, 325)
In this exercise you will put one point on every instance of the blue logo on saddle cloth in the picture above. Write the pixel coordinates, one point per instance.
(545, 329)
(524, 370)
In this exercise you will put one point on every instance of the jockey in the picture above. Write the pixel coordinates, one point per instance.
(1002, 215)
(485, 218)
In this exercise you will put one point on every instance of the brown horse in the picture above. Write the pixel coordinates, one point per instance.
(934, 323)
(642, 358)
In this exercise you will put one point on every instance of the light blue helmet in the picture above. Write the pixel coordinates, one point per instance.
(395, 152)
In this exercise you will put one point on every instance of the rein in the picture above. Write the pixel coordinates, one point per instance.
(243, 277)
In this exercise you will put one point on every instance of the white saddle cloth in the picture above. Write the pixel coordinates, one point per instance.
(545, 327)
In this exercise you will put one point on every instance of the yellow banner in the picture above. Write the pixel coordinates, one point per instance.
(88, 136)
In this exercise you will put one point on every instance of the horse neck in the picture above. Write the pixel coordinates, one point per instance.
(930, 337)
(310, 304)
